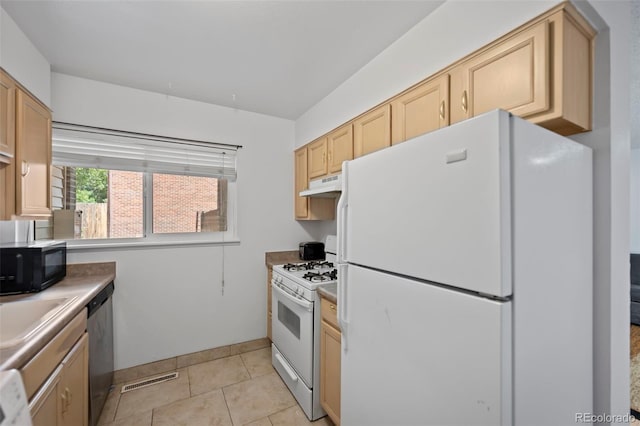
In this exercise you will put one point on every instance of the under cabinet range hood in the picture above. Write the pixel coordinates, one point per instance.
(327, 187)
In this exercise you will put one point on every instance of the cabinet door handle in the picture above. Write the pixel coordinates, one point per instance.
(464, 101)
(324, 158)
(27, 166)
(442, 110)
(65, 404)
(69, 394)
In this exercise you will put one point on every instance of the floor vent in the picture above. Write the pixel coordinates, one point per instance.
(149, 382)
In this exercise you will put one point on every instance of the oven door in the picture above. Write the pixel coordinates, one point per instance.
(292, 330)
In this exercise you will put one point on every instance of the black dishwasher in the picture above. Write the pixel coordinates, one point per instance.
(100, 329)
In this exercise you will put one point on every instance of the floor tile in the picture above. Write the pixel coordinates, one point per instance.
(257, 398)
(294, 416)
(110, 405)
(262, 422)
(213, 375)
(208, 409)
(258, 362)
(145, 399)
(140, 419)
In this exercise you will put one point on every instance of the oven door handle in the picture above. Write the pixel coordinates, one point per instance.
(307, 305)
(285, 365)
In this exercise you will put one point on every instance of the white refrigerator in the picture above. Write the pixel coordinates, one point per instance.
(465, 278)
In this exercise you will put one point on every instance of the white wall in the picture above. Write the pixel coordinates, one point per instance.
(436, 42)
(20, 58)
(168, 301)
(635, 200)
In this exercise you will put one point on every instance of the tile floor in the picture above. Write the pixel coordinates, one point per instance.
(237, 390)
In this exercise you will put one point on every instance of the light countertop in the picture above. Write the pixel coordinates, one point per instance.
(83, 282)
(329, 292)
(282, 257)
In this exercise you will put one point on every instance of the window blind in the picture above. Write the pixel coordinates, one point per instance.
(82, 146)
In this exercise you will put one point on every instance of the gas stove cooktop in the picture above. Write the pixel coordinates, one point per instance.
(314, 265)
(309, 274)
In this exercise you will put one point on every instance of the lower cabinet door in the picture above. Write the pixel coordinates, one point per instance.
(330, 371)
(46, 405)
(74, 385)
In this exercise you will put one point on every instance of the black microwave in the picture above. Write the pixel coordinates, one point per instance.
(32, 267)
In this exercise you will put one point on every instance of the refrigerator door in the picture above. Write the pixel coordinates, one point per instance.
(436, 207)
(419, 354)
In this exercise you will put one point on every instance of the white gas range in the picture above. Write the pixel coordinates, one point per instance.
(296, 326)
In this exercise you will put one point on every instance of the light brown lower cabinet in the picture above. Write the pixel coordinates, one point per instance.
(330, 347)
(46, 406)
(63, 400)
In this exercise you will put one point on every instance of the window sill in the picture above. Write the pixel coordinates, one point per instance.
(99, 245)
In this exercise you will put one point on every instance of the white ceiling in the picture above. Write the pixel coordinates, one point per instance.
(274, 57)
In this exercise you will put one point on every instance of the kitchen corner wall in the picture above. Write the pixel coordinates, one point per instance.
(20, 58)
(169, 301)
(456, 29)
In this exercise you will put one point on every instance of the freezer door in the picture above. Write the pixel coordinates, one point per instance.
(435, 207)
(417, 354)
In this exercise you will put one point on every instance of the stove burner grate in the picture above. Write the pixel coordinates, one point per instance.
(321, 276)
(307, 266)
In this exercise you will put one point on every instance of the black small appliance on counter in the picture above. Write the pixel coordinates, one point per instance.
(31, 267)
(312, 250)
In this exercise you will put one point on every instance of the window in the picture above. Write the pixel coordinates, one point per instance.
(112, 186)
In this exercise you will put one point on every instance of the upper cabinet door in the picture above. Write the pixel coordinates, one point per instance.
(301, 182)
(7, 117)
(372, 131)
(421, 110)
(318, 158)
(33, 157)
(512, 75)
(340, 145)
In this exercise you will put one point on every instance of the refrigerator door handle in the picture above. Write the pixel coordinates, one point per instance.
(342, 302)
(343, 204)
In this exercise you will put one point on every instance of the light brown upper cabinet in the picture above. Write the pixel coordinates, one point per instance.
(340, 147)
(7, 138)
(512, 75)
(372, 131)
(306, 208)
(420, 110)
(301, 183)
(541, 72)
(33, 157)
(7, 117)
(318, 158)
